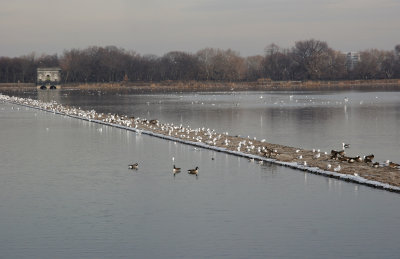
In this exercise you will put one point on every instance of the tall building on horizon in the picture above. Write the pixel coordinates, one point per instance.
(352, 59)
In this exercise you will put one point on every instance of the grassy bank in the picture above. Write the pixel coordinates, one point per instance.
(199, 86)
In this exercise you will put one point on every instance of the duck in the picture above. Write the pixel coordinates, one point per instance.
(134, 166)
(176, 170)
(194, 171)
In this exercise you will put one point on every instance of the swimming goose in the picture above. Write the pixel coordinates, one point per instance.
(176, 170)
(134, 166)
(344, 145)
(194, 171)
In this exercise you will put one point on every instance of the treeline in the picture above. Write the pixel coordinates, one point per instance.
(306, 60)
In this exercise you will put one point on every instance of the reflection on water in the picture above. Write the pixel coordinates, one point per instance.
(49, 95)
(66, 192)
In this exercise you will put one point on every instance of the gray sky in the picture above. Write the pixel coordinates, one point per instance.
(156, 26)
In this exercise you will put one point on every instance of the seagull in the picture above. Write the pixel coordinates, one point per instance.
(337, 169)
(194, 171)
(328, 166)
(134, 166)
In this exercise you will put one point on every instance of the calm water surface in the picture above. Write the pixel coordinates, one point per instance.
(66, 191)
(369, 121)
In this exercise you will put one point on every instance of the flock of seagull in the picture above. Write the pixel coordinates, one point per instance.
(200, 135)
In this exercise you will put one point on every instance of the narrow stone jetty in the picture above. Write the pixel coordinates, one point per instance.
(335, 164)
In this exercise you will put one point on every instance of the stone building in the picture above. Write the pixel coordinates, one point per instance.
(48, 78)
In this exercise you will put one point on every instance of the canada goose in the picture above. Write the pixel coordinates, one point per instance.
(176, 170)
(393, 165)
(194, 171)
(154, 122)
(134, 166)
(376, 164)
(368, 159)
(351, 160)
(336, 154)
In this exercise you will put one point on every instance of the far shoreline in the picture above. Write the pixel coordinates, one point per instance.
(211, 86)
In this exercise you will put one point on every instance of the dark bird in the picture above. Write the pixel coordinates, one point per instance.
(194, 171)
(393, 165)
(368, 159)
(134, 166)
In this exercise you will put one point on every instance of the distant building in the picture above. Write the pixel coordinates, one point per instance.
(352, 59)
(48, 78)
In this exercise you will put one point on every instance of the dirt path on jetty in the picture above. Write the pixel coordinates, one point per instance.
(364, 171)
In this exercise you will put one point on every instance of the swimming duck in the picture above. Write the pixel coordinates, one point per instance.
(194, 171)
(134, 166)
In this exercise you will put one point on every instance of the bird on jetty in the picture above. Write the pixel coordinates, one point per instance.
(337, 169)
(368, 159)
(194, 171)
(134, 166)
(392, 165)
(176, 170)
(375, 165)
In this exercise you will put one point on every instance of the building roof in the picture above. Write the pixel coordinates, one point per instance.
(48, 69)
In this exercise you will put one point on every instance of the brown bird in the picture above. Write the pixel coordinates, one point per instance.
(176, 170)
(194, 171)
(134, 166)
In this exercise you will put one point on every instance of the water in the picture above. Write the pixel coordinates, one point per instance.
(66, 191)
(369, 121)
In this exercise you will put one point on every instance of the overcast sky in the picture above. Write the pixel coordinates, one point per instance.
(159, 26)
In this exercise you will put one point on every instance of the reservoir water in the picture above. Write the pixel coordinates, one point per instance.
(66, 190)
